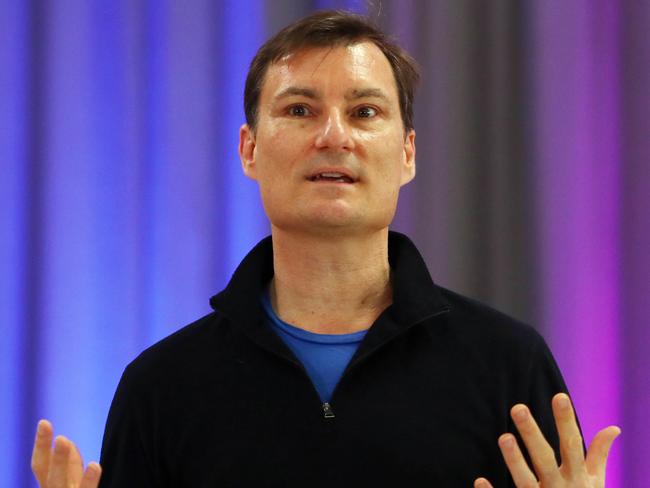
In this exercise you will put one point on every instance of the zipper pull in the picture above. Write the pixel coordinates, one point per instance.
(328, 413)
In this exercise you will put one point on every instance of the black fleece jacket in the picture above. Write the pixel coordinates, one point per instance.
(224, 403)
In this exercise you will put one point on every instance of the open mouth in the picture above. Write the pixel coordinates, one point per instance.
(331, 177)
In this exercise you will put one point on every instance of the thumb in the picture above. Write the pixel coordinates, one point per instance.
(599, 450)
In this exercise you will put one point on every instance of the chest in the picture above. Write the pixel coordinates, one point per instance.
(424, 416)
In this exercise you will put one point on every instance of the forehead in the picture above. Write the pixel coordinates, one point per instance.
(331, 70)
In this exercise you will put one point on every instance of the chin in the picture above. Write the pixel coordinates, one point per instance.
(330, 218)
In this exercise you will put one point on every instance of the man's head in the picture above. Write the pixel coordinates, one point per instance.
(331, 145)
(330, 29)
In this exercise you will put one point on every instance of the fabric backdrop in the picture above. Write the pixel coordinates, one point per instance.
(124, 207)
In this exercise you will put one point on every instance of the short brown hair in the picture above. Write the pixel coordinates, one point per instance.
(331, 28)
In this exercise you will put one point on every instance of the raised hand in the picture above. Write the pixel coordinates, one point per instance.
(576, 471)
(60, 466)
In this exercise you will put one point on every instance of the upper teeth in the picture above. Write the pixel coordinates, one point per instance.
(332, 175)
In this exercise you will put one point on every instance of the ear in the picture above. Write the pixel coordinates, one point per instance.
(247, 151)
(408, 165)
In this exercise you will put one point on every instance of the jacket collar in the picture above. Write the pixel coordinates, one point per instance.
(415, 296)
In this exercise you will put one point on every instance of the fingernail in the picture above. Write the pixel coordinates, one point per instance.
(506, 441)
(60, 444)
(564, 402)
(92, 471)
(520, 414)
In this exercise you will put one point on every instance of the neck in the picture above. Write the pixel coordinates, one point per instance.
(330, 285)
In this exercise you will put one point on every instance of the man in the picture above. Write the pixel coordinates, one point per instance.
(331, 358)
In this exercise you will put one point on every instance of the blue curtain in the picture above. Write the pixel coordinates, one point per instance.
(124, 205)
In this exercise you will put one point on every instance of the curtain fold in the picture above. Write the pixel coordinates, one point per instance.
(124, 207)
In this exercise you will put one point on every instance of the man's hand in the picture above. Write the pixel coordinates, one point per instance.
(61, 466)
(576, 471)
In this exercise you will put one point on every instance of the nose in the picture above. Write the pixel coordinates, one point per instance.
(335, 132)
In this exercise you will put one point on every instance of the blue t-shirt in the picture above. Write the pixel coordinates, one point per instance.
(324, 356)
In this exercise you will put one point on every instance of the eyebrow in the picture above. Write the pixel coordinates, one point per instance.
(367, 93)
(299, 91)
(314, 94)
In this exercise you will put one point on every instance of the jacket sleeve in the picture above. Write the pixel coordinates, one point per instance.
(126, 457)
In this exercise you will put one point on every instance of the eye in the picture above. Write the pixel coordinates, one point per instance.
(299, 111)
(366, 112)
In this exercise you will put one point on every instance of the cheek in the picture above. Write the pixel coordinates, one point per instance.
(392, 164)
(276, 174)
(272, 184)
(275, 196)
(385, 144)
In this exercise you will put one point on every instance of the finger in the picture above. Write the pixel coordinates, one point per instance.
(75, 465)
(42, 451)
(573, 457)
(541, 453)
(91, 476)
(482, 483)
(58, 475)
(599, 450)
(519, 470)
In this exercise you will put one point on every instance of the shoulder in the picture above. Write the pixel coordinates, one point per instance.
(187, 351)
(479, 317)
(484, 329)
(501, 351)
